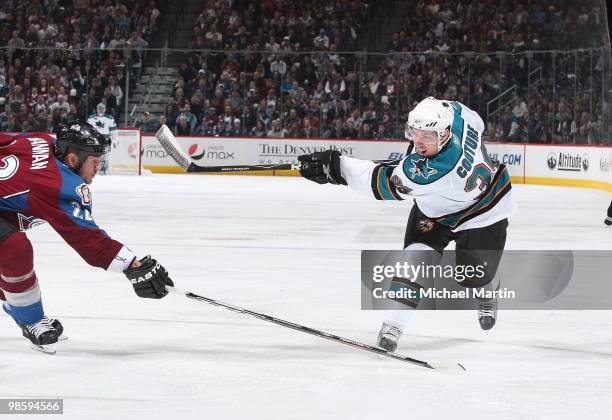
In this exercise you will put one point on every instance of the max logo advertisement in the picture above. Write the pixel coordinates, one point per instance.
(572, 162)
(198, 152)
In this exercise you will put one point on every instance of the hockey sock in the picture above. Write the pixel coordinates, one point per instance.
(18, 279)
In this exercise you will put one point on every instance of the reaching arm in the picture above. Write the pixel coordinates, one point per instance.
(363, 176)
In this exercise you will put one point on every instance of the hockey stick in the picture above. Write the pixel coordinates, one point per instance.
(446, 366)
(171, 146)
(168, 141)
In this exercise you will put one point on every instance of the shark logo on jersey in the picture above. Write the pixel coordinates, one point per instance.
(28, 222)
(421, 168)
(83, 192)
(425, 225)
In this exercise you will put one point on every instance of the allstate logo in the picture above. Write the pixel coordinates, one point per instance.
(194, 151)
(552, 161)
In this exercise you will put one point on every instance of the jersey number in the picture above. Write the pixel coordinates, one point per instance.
(481, 176)
(8, 167)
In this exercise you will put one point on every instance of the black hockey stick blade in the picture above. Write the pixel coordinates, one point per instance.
(168, 141)
(443, 366)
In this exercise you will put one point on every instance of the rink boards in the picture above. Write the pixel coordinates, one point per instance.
(565, 165)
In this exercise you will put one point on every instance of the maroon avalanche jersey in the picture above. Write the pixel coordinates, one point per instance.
(36, 187)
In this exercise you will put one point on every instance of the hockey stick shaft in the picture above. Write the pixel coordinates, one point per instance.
(338, 339)
(168, 141)
(193, 167)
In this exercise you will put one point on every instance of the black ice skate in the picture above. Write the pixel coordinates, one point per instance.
(388, 337)
(41, 335)
(54, 323)
(58, 327)
(608, 220)
(487, 313)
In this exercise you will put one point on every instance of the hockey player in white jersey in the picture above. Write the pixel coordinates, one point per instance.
(106, 125)
(459, 193)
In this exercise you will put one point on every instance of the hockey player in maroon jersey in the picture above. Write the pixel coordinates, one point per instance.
(42, 180)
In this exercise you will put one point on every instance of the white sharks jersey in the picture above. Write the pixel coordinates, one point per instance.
(105, 124)
(460, 187)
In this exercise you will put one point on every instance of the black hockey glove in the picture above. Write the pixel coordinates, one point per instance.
(322, 167)
(150, 279)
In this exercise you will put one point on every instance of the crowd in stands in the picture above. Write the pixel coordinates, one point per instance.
(62, 58)
(291, 78)
(285, 68)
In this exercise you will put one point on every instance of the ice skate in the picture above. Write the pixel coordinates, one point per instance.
(58, 327)
(42, 336)
(388, 337)
(52, 322)
(487, 313)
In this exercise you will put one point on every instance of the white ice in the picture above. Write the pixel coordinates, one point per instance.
(291, 248)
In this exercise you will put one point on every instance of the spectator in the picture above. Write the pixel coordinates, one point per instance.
(147, 124)
(322, 40)
(192, 120)
(259, 130)
(183, 128)
(519, 133)
(218, 130)
(349, 131)
(115, 90)
(365, 132)
(309, 131)
(235, 129)
(276, 131)
(382, 132)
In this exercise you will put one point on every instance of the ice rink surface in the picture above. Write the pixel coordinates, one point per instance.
(291, 249)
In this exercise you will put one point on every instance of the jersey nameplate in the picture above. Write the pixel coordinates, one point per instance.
(469, 151)
(40, 153)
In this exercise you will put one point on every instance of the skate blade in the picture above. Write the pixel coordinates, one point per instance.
(62, 338)
(47, 348)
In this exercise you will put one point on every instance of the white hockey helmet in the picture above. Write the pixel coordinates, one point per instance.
(430, 114)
